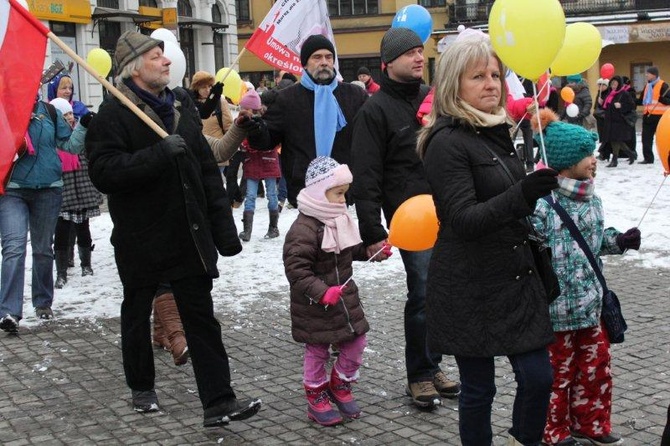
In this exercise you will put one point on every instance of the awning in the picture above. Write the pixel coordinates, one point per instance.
(118, 15)
(191, 22)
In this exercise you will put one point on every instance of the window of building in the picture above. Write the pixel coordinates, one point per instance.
(184, 8)
(352, 7)
(149, 3)
(217, 38)
(349, 67)
(188, 47)
(114, 4)
(432, 3)
(638, 77)
(242, 10)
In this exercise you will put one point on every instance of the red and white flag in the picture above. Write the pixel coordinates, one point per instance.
(281, 34)
(22, 50)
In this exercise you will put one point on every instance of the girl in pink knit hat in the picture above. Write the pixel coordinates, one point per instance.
(325, 307)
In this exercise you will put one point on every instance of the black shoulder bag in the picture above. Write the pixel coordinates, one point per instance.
(541, 252)
(611, 315)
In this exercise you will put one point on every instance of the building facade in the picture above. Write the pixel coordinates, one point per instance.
(636, 33)
(206, 30)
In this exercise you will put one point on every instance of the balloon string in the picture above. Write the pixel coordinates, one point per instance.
(652, 201)
(516, 127)
(367, 261)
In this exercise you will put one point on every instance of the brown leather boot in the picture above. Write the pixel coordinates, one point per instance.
(158, 337)
(168, 315)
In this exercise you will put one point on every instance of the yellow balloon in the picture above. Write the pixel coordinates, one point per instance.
(527, 34)
(100, 60)
(232, 83)
(580, 50)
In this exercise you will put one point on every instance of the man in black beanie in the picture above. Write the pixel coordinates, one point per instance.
(387, 171)
(656, 101)
(365, 76)
(311, 118)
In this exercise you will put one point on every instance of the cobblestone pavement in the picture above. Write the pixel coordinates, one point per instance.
(62, 382)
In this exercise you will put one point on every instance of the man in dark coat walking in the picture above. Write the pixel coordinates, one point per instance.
(387, 171)
(171, 215)
(311, 118)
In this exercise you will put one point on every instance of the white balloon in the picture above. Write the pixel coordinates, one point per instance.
(164, 34)
(178, 67)
(572, 110)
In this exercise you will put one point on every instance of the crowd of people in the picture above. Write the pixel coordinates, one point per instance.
(324, 145)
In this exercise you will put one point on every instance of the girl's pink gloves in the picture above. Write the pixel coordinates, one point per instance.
(331, 296)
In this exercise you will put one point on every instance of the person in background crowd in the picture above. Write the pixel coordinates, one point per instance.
(581, 400)
(61, 86)
(655, 100)
(359, 84)
(205, 93)
(599, 114)
(31, 202)
(582, 100)
(312, 118)
(259, 165)
(387, 171)
(325, 306)
(632, 142)
(365, 76)
(171, 216)
(81, 202)
(617, 132)
(483, 297)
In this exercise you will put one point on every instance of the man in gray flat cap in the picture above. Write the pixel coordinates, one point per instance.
(387, 171)
(171, 215)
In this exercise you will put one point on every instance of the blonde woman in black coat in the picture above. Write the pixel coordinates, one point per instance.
(484, 298)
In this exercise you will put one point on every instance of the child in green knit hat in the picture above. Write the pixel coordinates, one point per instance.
(581, 401)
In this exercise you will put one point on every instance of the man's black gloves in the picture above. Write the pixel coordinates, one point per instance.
(174, 145)
(208, 107)
(629, 239)
(538, 184)
(216, 91)
(86, 119)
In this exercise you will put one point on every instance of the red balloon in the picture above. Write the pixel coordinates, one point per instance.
(607, 71)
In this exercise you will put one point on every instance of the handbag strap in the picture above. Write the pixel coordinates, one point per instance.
(502, 163)
(579, 238)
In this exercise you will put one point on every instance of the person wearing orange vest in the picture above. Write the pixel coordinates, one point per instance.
(656, 101)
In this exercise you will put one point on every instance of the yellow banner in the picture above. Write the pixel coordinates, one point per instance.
(72, 11)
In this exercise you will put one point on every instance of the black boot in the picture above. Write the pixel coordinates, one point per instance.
(61, 257)
(615, 157)
(273, 230)
(632, 156)
(72, 237)
(85, 259)
(248, 220)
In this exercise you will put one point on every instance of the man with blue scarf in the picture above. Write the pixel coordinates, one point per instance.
(387, 171)
(172, 219)
(312, 117)
(656, 101)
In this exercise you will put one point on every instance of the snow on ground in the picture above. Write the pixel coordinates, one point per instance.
(627, 192)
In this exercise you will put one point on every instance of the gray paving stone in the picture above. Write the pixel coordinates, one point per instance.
(62, 382)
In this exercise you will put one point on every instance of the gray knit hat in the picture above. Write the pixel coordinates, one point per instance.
(132, 45)
(397, 41)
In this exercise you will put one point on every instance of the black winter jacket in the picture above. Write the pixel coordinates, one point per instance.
(310, 272)
(290, 122)
(483, 296)
(170, 214)
(387, 171)
(616, 129)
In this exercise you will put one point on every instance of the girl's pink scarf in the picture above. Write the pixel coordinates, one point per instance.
(340, 231)
(69, 161)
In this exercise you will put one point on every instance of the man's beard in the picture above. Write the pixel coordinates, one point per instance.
(323, 75)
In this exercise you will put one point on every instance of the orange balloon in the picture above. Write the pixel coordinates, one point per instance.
(414, 225)
(568, 94)
(663, 140)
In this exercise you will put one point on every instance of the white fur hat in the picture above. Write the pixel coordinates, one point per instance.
(61, 104)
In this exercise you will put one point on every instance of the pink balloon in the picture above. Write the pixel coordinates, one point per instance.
(607, 71)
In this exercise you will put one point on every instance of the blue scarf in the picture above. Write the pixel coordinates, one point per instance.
(649, 94)
(328, 116)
